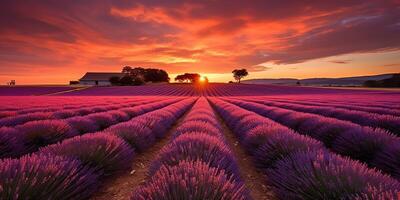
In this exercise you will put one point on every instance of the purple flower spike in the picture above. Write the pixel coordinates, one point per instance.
(37, 134)
(103, 152)
(190, 180)
(140, 137)
(83, 125)
(191, 147)
(363, 143)
(321, 175)
(10, 143)
(45, 177)
(389, 160)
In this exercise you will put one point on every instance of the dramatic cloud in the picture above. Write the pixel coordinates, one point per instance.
(196, 36)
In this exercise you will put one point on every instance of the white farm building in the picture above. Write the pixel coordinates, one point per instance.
(98, 78)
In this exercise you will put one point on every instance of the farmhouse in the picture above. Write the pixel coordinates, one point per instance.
(98, 78)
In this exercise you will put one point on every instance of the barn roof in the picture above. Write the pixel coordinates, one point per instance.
(100, 76)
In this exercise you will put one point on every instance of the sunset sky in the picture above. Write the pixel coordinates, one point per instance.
(54, 41)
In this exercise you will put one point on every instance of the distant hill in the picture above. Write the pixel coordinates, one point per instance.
(346, 81)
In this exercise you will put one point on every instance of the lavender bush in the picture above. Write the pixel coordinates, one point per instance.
(192, 147)
(321, 175)
(119, 116)
(37, 134)
(21, 119)
(279, 145)
(4, 114)
(62, 114)
(139, 136)
(45, 177)
(83, 125)
(102, 152)
(197, 126)
(103, 120)
(259, 135)
(11, 144)
(190, 180)
(202, 117)
(363, 143)
(388, 160)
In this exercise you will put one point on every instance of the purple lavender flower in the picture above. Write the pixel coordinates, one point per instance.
(140, 137)
(21, 119)
(279, 144)
(45, 177)
(105, 153)
(37, 134)
(190, 180)
(11, 144)
(389, 160)
(363, 143)
(193, 147)
(4, 114)
(258, 136)
(321, 175)
(197, 126)
(62, 114)
(119, 116)
(203, 118)
(103, 120)
(82, 124)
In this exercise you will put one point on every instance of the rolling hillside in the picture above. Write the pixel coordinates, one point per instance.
(346, 81)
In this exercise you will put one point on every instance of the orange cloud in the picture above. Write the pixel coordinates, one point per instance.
(64, 39)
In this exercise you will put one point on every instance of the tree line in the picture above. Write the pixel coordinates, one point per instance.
(238, 74)
(140, 76)
(188, 77)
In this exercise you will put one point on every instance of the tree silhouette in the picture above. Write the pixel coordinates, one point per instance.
(188, 77)
(140, 74)
(115, 80)
(126, 70)
(239, 74)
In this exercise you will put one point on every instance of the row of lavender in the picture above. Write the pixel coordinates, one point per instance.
(388, 122)
(31, 103)
(375, 147)
(29, 137)
(74, 168)
(220, 89)
(383, 100)
(196, 164)
(32, 90)
(366, 108)
(151, 90)
(299, 167)
(60, 111)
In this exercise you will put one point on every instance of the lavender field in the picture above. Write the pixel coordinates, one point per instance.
(217, 141)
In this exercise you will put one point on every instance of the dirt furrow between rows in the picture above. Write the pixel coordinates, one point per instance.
(254, 180)
(120, 187)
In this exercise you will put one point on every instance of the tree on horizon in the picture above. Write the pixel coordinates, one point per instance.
(238, 74)
(146, 74)
(188, 77)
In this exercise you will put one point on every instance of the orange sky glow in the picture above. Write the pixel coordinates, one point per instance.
(53, 42)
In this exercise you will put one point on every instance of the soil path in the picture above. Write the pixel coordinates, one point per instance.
(120, 187)
(254, 180)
